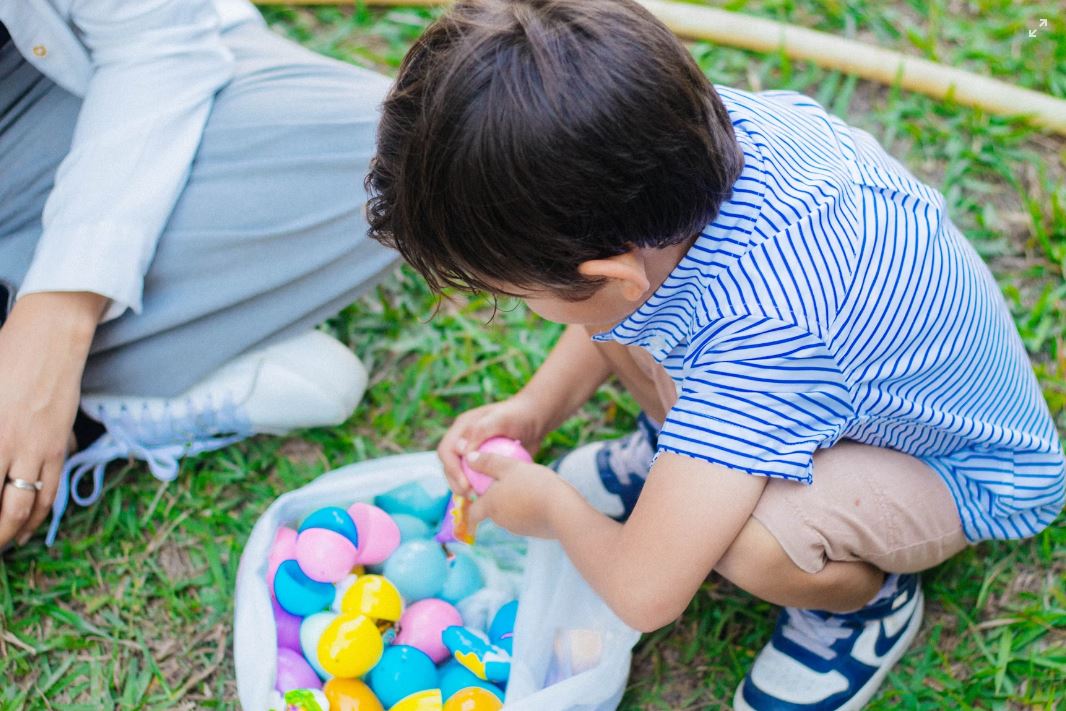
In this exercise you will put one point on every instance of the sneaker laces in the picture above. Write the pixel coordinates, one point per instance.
(159, 441)
(630, 457)
(814, 631)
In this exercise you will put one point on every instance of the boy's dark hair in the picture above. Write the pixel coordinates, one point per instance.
(524, 137)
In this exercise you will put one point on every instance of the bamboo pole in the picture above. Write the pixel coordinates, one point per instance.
(735, 29)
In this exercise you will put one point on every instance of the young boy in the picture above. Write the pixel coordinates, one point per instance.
(835, 396)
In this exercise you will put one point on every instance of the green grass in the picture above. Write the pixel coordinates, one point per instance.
(132, 607)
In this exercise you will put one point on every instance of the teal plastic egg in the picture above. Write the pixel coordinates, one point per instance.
(414, 500)
(417, 569)
(401, 672)
(501, 631)
(455, 677)
(411, 527)
(462, 578)
(298, 594)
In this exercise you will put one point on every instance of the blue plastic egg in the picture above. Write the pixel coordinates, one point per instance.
(414, 500)
(417, 569)
(298, 594)
(311, 630)
(411, 527)
(462, 578)
(332, 518)
(473, 650)
(454, 677)
(401, 672)
(501, 631)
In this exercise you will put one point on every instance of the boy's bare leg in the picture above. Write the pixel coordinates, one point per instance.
(869, 510)
(757, 564)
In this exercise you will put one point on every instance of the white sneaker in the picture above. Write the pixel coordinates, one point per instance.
(311, 380)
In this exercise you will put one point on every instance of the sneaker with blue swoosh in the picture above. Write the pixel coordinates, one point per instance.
(821, 661)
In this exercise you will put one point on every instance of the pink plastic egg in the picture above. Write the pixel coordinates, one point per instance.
(324, 555)
(379, 535)
(503, 446)
(294, 672)
(288, 627)
(423, 623)
(283, 549)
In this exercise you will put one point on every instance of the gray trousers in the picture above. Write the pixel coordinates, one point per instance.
(268, 237)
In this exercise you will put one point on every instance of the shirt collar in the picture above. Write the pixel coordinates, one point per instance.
(667, 317)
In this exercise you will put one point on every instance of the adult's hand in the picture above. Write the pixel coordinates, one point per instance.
(43, 348)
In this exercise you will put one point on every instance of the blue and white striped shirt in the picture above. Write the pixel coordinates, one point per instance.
(832, 298)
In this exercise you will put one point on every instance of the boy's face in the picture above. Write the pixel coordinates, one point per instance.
(599, 312)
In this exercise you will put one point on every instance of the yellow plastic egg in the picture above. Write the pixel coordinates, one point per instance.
(374, 596)
(428, 700)
(350, 646)
(473, 698)
(350, 695)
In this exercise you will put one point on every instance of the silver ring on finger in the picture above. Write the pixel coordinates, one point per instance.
(26, 485)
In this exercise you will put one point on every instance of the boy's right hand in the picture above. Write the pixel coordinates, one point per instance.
(517, 417)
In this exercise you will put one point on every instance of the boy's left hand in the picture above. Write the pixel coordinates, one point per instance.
(522, 498)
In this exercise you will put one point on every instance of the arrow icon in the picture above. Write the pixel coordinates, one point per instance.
(1032, 33)
(1043, 22)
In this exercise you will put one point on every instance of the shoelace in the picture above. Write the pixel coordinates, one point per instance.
(813, 631)
(631, 456)
(161, 442)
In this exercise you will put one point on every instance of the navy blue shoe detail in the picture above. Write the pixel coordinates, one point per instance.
(623, 463)
(821, 661)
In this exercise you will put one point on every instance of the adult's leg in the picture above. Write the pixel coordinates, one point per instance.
(269, 235)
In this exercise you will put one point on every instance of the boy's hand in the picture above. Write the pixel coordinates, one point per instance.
(517, 417)
(522, 498)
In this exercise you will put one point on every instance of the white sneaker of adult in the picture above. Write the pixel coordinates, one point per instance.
(310, 380)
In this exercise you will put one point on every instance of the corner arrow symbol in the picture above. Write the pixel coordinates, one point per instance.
(1032, 33)
(1043, 22)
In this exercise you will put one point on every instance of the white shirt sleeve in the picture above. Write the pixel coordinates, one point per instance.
(156, 67)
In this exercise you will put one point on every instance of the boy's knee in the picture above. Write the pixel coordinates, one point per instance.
(756, 562)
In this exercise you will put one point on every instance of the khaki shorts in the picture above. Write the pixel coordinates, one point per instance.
(867, 503)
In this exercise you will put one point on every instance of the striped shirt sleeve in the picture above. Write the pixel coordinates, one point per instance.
(759, 395)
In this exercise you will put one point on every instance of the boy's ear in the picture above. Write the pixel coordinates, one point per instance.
(627, 270)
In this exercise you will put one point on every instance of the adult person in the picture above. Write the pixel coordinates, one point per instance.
(180, 203)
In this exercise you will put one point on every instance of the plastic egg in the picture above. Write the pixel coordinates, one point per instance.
(379, 535)
(501, 631)
(341, 588)
(374, 596)
(503, 446)
(474, 698)
(293, 672)
(297, 593)
(462, 578)
(418, 569)
(472, 649)
(411, 527)
(428, 700)
(401, 672)
(311, 630)
(350, 695)
(350, 646)
(332, 518)
(283, 549)
(414, 500)
(455, 677)
(305, 700)
(287, 626)
(424, 622)
(325, 555)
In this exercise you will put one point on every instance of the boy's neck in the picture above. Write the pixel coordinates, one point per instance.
(659, 263)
